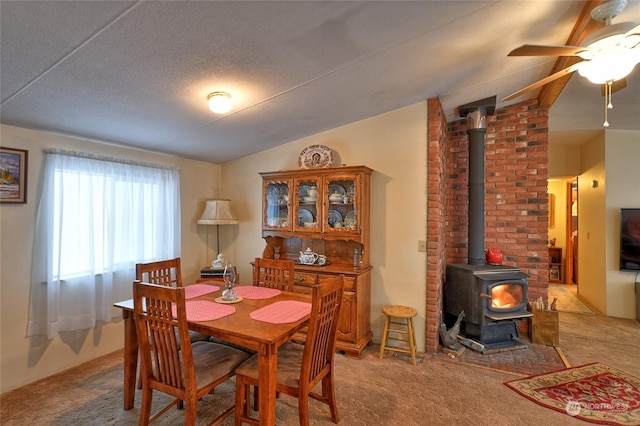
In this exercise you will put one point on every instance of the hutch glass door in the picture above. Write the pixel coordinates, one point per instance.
(277, 214)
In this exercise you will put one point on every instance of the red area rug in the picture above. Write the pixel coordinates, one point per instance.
(594, 393)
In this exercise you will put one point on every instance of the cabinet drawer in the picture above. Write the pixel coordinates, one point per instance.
(302, 281)
(350, 283)
(306, 279)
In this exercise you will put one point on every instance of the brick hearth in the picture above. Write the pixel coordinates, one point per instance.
(516, 201)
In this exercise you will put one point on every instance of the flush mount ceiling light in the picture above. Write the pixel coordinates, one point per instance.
(220, 102)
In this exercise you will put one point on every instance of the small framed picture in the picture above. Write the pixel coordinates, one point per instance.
(13, 175)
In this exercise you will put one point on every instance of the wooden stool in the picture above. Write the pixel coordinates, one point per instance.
(400, 313)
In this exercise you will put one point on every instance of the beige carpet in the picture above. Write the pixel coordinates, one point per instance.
(370, 391)
(567, 302)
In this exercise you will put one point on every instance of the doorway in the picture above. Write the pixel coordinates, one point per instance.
(572, 211)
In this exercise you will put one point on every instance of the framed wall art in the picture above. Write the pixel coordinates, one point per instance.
(13, 175)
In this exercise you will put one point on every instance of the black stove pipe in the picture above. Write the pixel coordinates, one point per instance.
(477, 129)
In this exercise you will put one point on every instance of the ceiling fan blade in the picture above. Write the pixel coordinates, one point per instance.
(544, 81)
(537, 50)
(615, 86)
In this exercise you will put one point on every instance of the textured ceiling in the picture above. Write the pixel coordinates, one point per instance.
(138, 73)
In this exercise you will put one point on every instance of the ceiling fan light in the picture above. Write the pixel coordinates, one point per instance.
(608, 67)
(220, 102)
(609, 36)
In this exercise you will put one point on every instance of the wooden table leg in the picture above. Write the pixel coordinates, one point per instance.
(130, 359)
(267, 376)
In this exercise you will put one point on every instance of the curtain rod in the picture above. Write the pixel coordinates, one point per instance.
(87, 155)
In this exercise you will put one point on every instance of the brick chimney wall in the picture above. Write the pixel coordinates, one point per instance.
(516, 200)
(437, 177)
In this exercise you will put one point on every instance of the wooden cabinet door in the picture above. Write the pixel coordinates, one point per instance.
(276, 204)
(342, 204)
(307, 211)
(348, 320)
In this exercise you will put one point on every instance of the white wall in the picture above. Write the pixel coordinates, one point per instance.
(564, 160)
(622, 154)
(611, 158)
(591, 230)
(394, 145)
(25, 360)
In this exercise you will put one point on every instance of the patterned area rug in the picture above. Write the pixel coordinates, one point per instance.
(567, 302)
(594, 393)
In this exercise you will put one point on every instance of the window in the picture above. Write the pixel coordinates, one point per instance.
(96, 219)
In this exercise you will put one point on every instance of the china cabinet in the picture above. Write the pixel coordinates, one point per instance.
(325, 210)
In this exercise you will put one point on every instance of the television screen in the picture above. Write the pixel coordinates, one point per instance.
(630, 239)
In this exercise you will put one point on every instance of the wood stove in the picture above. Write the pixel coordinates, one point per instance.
(493, 298)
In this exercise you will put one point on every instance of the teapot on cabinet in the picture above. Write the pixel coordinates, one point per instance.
(308, 257)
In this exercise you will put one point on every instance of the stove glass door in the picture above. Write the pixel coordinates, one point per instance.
(507, 296)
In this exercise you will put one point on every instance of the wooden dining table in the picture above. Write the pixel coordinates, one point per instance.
(238, 328)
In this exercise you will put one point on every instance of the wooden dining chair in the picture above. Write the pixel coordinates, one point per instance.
(187, 372)
(302, 367)
(166, 273)
(162, 272)
(273, 273)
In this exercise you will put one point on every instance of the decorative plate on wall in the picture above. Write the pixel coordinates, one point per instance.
(315, 157)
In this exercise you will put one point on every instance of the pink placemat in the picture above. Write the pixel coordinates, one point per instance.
(282, 312)
(205, 310)
(197, 290)
(255, 292)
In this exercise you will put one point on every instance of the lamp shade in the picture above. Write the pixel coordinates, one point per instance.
(218, 212)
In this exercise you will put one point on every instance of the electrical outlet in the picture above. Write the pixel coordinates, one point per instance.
(422, 245)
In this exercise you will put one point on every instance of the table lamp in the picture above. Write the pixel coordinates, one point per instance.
(217, 212)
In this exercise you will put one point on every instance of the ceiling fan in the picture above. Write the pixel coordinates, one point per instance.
(608, 54)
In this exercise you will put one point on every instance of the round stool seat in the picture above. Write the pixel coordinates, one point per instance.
(399, 311)
(398, 327)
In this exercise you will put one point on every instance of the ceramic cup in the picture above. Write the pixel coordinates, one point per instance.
(322, 259)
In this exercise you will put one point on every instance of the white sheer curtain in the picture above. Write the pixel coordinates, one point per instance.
(96, 219)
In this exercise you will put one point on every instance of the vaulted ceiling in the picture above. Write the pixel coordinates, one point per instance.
(138, 73)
